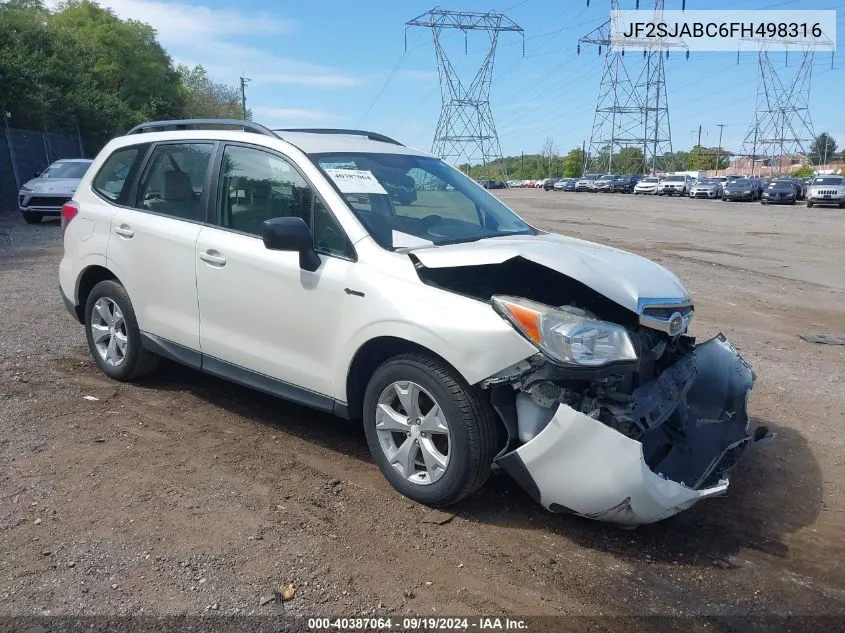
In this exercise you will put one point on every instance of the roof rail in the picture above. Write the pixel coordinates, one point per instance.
(373, 136)
(187, 124)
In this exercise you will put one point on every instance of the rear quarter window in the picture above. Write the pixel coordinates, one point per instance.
(113, 177)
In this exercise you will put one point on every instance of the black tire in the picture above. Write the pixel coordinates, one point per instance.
(473, 428)
(809, 204)
(138, 361)
(31, 218)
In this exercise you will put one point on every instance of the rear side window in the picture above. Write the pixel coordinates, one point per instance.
(113, 175)
(173, 180)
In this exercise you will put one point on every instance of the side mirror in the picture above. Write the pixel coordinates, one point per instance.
(292, 234)
(36, 173)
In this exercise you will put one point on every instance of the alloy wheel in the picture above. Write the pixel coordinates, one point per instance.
(413, 432)
(108, 331)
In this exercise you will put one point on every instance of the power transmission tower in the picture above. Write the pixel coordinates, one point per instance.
(465, 130)
(631, 112)
(618, 121)
(782, 126)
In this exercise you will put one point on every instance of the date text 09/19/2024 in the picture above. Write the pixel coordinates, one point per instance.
(418, 623)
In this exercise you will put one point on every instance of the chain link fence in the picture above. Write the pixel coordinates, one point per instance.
(25, 152)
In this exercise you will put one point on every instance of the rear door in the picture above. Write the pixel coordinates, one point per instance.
(151, 248)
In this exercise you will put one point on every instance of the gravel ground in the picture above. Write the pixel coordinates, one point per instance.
(185, 494)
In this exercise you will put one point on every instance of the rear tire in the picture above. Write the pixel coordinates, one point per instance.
(809, 204)
(472, 429)
(133, 361)
(31, 218)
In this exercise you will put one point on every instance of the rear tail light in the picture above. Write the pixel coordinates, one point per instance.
(69, 211)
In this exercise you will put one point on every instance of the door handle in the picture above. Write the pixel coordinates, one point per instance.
(124, 231)
(213, 257)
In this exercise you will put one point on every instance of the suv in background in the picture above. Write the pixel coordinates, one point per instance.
(462, 336)
(827, 190)
(674, 186)
(549, 183)
(585, 182)
(624, 184)
(45, 194)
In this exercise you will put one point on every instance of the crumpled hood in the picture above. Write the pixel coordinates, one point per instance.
(53, 185)
(618, 275)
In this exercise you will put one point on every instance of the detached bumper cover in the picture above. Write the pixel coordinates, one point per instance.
(578, 464)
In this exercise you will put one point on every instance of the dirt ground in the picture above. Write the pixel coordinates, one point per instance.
(185, 494)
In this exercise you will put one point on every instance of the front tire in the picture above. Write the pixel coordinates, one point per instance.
(114, 338)
(809, 204)
(431, 434)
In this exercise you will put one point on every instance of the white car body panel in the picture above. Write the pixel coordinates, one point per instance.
(165, 295)
(262, 312)
(621, 276)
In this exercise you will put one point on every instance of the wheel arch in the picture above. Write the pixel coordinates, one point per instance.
(90, 277)
(369, 357)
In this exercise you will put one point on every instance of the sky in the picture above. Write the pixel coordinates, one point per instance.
(333, 63)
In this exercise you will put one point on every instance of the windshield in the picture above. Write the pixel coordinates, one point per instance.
(708, 182)
(781, 184)
(674, 178)
(742, 183)
(830, 180)
(66, 170)
(650, 180)
(407, 201)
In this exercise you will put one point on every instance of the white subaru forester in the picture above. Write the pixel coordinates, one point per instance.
(345, 271)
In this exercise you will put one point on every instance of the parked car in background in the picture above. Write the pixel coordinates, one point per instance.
(742, 189)
(493, 184)
(45, 194)
(800, 188)
(463, 342)
(585, 182)
(565, 184)
(826, 190)
(603, 183)
(647, 185)
(625, 184)
(732, 178)
(674, 186)
(549, 183)
(706, 188)
(779, 191)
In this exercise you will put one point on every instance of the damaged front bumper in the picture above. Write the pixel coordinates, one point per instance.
(696, 426)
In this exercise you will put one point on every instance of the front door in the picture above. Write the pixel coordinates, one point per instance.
(259, 310)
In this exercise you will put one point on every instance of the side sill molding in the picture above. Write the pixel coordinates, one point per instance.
(170, 350)
(260, 382)
(216, 367)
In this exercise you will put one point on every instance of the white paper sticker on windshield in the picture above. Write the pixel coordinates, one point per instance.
(355, 181)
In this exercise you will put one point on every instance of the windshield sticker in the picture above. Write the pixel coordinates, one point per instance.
(355, 181)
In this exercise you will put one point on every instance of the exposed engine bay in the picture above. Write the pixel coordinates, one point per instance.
(632, 441)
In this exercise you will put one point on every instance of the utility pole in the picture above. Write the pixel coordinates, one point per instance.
(522, 163)
(721, 126)
(244, 82)
(699, 136)
(584, 154)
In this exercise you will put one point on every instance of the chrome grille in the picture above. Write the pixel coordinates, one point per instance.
(663, 315)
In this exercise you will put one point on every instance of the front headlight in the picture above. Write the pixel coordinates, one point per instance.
(566, 337)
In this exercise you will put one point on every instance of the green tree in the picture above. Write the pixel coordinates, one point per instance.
(703, 158)
(573, 163)
(822, 149)
(804, 172)
(81, 65)
(629, 160)
(205, 98)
